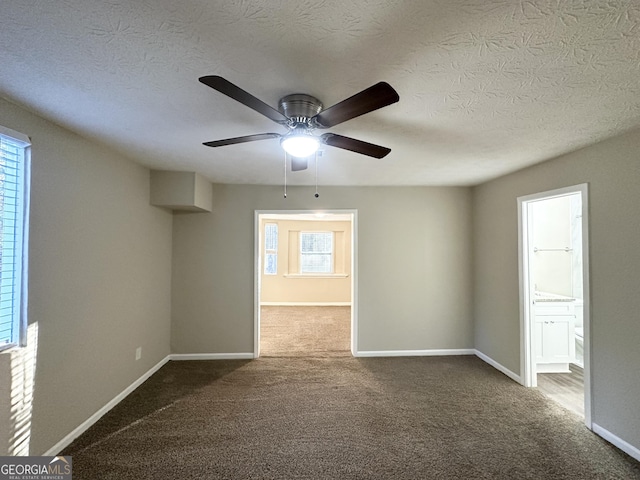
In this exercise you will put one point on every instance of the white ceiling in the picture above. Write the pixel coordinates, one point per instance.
(486, 86)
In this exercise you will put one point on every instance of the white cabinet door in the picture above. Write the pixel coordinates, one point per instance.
(555, 339)
(559, 339)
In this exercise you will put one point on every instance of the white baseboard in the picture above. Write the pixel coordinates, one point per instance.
(211, 356)
(617, 441)
(414, 353)
(513, 376)
(305, 304)
(84, 426)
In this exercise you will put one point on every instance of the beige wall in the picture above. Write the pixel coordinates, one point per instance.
(612, 170)
(286, 287)
(99, 276)
(414, 257)
(550, 234)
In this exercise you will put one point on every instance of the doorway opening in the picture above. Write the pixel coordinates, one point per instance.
(554, 296)
(305, 283)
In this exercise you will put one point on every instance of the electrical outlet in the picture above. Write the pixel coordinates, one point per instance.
(138, 353)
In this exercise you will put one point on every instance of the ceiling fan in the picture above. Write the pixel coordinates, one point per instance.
(302, 114)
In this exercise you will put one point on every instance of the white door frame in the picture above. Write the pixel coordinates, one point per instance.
(257, 255)
(527, 363)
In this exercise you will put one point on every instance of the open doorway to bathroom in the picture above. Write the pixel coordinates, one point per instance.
(305, 283)
(554, 296)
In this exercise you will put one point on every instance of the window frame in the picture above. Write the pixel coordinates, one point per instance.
(331, 253)
(17, 283)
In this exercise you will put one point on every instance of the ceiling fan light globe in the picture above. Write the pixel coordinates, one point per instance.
(300, 146)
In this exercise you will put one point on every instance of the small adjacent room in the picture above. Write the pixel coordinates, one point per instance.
(556, 277)
(305, 287)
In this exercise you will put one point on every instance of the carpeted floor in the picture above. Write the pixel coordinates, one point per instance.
(341, 418)
(294, 331)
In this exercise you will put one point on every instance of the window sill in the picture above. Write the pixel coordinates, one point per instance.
(316, 275)
(11, 349)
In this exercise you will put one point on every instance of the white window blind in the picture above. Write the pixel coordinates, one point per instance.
(271, 249)
(13, 211)
(316, 252)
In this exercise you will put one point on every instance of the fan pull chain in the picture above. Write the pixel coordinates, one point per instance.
(316, 158)
(285, 174)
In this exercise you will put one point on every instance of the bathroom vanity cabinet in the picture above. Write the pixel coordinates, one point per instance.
(554, 335)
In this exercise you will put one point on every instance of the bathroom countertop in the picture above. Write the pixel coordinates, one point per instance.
(551, 297)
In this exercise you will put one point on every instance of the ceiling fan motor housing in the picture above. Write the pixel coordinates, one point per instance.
(299, 108)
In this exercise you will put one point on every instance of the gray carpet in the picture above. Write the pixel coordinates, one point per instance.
(293, 331)
(341, 418)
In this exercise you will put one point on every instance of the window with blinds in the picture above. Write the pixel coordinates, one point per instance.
(316, 252)
(13, 220)
(271, 249)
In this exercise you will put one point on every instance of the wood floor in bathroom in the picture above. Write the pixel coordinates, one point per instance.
(567, 389)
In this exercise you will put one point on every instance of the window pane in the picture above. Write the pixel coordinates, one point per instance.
(271, 236)
(316, 242)
(316, 263)
(270, 264)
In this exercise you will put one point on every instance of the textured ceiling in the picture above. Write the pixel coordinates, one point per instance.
(486, 86)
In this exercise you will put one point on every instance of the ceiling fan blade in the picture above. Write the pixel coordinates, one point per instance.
(375, 97)
(298, 164)
(358, 146)
(230, 90)
(247, 138)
